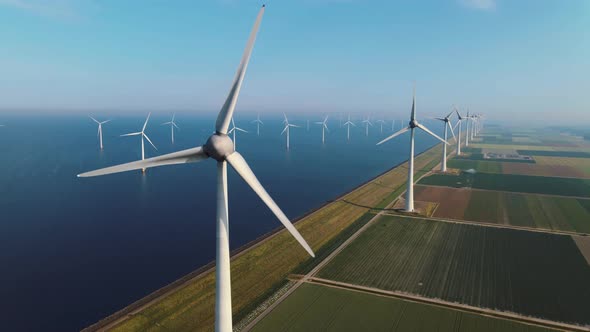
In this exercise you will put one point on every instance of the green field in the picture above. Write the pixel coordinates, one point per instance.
(542, 153)
(514, 183)
(530, 210)
(530, 273)
(320, 308)
(479, 156)
(478, 165)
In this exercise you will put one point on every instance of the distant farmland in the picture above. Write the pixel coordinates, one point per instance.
(527, 210)
(535, 274)
(545, 166)
(557, 153)
(514, 183)
(320, 308)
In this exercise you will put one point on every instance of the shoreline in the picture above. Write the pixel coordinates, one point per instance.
(136, 306)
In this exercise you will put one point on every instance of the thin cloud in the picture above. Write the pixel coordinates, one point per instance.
(61, 9)
(479, 4)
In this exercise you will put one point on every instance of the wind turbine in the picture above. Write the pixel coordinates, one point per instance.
(459, 122)
(468, 118)
(447, 125)
(219, 147)
(308, 125)
(287, 129)
(367, 123)
(99, 130)
(258, 122)
(233, 131)
(348, 124)
(411, 126)
(172, 125)
(143, 135)
(324, 127)
(381, 122)
(393, 125)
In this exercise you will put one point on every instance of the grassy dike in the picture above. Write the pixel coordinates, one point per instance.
(262, 267)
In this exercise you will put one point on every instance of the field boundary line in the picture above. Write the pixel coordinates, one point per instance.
(504, 191)
(446, 304)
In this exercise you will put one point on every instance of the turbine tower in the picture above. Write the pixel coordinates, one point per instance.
(411, 126)
(467, 129)
(143, 135)
(393, 125)
(459, 123)
(220, 148)
(258, 122)
(348, 124)
(233, 131)
(99, 130)
(287, 129)
(447, 125)
(324, 128)
(367, 123)
(172, 125)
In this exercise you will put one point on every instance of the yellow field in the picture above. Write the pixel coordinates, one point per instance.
(260, 268)
(580, 164)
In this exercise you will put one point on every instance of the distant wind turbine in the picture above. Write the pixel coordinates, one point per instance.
(143, 135)
(393, 125)
(172, 125)
(447, 125)
(99, 130)
(348, 124)
(258, 122)
(467, 118)
(367, 123)
(233, 131)
(324, 127)
(219, 147)
(381, 122)
(459, 123)
(412, 125)
(287, 129)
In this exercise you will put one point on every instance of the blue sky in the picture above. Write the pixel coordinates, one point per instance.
(512, 58)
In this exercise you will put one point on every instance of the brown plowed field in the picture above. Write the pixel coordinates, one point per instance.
(452, 202)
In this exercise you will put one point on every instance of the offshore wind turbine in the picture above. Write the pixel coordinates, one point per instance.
(143, 135)
(172, 125)
(447, 125)
(220, 148)
(233, 131)
(287, 129)
(258, 122)
(348, 124)
(381, 122)
(324, 127)
(393, 125)
(411, 126)
(99, 130)
(367, 123)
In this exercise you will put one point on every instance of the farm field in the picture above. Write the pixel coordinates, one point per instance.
(260, 270)
(555, 153)
(320, 308)
(544, 166)
(486, 267)
(528, 147)
(526, 210)
(514, 183)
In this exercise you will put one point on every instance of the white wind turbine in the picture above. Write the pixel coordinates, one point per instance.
(99, 129)
(412, 125)
(447, 125)
(348, 124)
(287, 129)
(393, 125)
(219, 147)
(172, 125)
(258, 122)
(367, 123)
(468, 118)
(459, 123)
(381, 122)
(143, 135)
(324, 127)
(233, 131)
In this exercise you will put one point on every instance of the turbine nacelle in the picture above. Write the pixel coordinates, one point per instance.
(219, 146)
(413, 123)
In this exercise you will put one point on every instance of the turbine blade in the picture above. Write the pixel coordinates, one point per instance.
(413, 114)
(452, 131)
(239, 164)
(181, 157)
(146, 122)
(457, 124)
(166, 123)
(227, 111)
(394, 135)
(146, 137)
(282, 132)
(93, 119)
(132, 134)
(174, 124)
(449, 115)
(242, 130)
(431, 133)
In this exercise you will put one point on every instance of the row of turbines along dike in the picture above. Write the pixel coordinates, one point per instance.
(220, 148)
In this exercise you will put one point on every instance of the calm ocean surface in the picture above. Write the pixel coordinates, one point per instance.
(73, 251)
